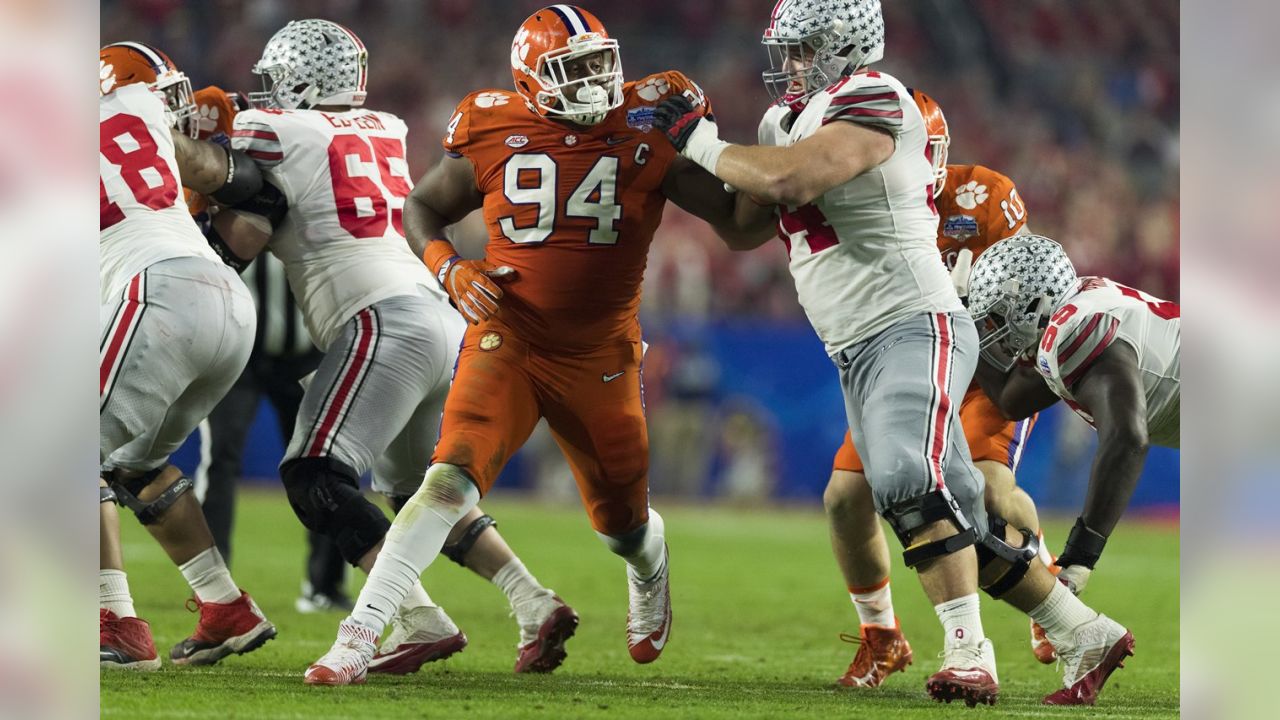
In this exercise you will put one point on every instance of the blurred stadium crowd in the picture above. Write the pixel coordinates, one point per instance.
(1076, 102)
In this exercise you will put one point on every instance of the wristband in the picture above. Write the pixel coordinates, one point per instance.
(704, 146)
(1084, 546)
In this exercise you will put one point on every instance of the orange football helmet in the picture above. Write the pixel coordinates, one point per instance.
(543, 56)
(127, 63)
(935, 123)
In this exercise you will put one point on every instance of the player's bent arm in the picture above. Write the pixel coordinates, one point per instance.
(1017, 394)
(1111, 390)
(238, 237)
(228, 176)
(799, 174)
(445, 195)
(740, 222)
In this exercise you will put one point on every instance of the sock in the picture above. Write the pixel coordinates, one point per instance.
(518, 584)
(416, 598)
(113, 593)
(1060, 613)
(414, 542)
(1045, 556)
(874, 604)
(209, 577)
(645, 563)
(961, 621)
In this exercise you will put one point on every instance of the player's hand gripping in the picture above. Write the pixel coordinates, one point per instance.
(691, 130)
(472, 285)
(1075, 577)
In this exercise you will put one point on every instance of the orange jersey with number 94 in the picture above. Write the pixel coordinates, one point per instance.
(572, 209)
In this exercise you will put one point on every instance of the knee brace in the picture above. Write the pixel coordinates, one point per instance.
(325, 495)
(106, 494)
(994, 546)
(910, 515)
(125, 492)
(457, 552)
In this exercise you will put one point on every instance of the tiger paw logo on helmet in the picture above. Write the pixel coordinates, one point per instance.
(971, 195)
(520, 47)
(106, 77)
(491, 99)
(652, 89)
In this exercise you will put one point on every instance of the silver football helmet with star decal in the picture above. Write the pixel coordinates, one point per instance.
(1015, 286)
(309, 63)
(813, 43)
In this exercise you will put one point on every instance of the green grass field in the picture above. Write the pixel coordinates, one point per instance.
(757, 604)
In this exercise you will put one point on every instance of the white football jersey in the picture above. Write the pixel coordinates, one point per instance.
(143, 216)
(865, 254)
(346, 180)
(1099, 312)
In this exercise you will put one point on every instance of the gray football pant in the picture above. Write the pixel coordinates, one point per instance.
(902, 392)
(170, 347)
(376, 399)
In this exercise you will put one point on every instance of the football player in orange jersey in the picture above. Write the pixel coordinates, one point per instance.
(977, 207)
(572, 179)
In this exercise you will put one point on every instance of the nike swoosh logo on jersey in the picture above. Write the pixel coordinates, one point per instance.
(614, 376)
(616, 139)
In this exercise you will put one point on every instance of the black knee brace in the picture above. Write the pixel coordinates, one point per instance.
(325, 495)
(457, 552)
(910, 515)
(994, 547)
(125, 492)
(106, 494)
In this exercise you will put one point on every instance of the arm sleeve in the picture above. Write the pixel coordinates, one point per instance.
(869, 102)
(1083, 342)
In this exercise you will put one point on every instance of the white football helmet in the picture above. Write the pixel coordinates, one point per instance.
(842, 36)
(309, 63)
(1015, 286)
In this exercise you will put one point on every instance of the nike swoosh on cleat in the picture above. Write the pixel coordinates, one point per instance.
(614, 376)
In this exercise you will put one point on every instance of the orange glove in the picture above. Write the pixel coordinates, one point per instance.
(469, 283)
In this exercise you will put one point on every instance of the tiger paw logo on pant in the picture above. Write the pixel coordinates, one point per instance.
(490, 341)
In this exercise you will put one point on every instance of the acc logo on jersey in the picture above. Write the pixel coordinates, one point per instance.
(971, 195)
(517, 141)
(640, 118)
(490, 341)
(960, 226)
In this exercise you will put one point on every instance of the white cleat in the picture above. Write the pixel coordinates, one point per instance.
(1094, 651)
(649, 613)
(347, 661)
(546, 623)
(968, 673)
(417, 637)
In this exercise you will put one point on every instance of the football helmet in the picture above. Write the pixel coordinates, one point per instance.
(546, 63)
(1015, 286)
(813, 43)
(935, 123)
(127, 63)
(309, 63)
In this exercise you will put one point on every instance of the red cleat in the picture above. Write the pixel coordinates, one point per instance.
(224, 628)
(1101, 659)
(125, 643)
(882, 651)
(417, 637)
(968, 673)
(546, 651)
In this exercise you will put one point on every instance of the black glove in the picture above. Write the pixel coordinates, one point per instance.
(676, 117)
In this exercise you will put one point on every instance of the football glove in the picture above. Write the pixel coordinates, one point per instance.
(691, 130)
(1075, 577)
(960, 274)
(472, 285)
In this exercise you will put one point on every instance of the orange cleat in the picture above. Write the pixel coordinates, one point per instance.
(1040, 645)
(882, 651)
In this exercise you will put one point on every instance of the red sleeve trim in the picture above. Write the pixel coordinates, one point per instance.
(1106, 341)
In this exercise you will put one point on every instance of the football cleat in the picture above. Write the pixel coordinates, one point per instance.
(312, 601)
(125, 643)
(1097, 648)
(649, 613)
(968, 673)
(550, 624)
(417, 637)
(347, 662)
(1040, 645)
(224, 628)
(882, 651)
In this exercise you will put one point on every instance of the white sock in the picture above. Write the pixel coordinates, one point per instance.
(1045, 556)
(416, 598)
(961, 620)
(875, 607)
(113, 593)
(647, 562)
(1060, 613)
(414, 542)
(518, 584)
(209, 577)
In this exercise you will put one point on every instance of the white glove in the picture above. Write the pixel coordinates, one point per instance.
(960, 273)
(1075, 577)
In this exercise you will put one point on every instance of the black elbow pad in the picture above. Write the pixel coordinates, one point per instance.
(244, 179)
(268, 202)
